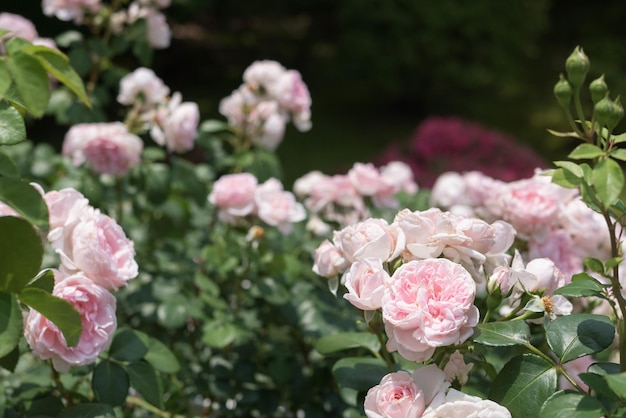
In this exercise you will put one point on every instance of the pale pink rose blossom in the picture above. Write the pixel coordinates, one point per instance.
(6, 210)
(234, 194)
(96, 307)
(449, 191)
(73, 10)
(396, 396)
(372, 238)
(334, 189)
(158, 31)
(544, 276)
(329, 261)
(232, 107)
(557, 245)
(574, 368)
(457, 404)
(267, 125)
(428, 304)
(303, 186)
(400, 175)
(176, 125)
(457, 369)
(96, 245)
(587, 229)
(263, 74)
(318, 227)
(65, 207)
(108, 148)
(277, 207)
(18, 26)
(142, 84)
(292, 94)
(367, 180)
(365, 282)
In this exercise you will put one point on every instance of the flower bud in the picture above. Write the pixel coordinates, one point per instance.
(608, 112)
(563, 92)
(577, 66)
(598, 89)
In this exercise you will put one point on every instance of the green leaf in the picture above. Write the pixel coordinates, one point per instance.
(584, 151)
(21, 253)
(619, 138)
(9, 361)
(110, 383)
(618, 154)
(571, 167)
(161, 357)
(10, 323)
(582, 285)
(564, 178)
(31, 81)
(58, 64)
(218, 334)
(571, 405)
(500, 334)
(127, 345)
(7, 166)
(524, 384)
(574, 336)
(12, 128)
(5, 78)
(359, 373)
(143, 377)
(607, 178)
(594, 265)
(213, 126)
(59, 311)
(43, 281)
(344, 341)
(598, 384)
(88, 410)
(26, 200)
(563, 134)
(617, 383)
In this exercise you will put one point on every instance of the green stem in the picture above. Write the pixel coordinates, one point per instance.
(56, 378)
(581, 116)
(137, 401)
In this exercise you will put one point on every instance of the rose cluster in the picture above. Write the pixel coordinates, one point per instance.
(426, 393)
(269, 98)
(454, 144)
(158, 32)
(343, 198)
(96, 257)
(112, 148)
(19, 26)
(553, 221)
(240, 197)
(428, 300)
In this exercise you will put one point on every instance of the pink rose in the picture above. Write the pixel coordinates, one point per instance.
(106, 147)
(234, 194)
(277, 207)
(70, 9)
(176, 125)
(397, 396)
(457, 404)
(64, 206)
(372, 238)
(428, 304)
(365, 282)
(96, 245)
(142, 84)
(457, 369)
(400, 175)
(368, 181)
(292, 94)
(558, 246)
(96, 307)
(158, 32)
(263, 74)
(329, 261)
(18, 26)
(544, 276)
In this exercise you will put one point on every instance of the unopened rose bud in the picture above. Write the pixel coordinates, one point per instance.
(577, 67)
(563, 92)
(608, 112)
(598, 89)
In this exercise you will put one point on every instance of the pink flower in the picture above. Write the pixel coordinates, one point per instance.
(70, 9)
(158, 32)
(263, 74)
(18, 26)
(176, 125)
(142, 84)
(365, 282)
(234, 194)
(457, 369)
(292, 94)
(372, 238)
(557, 245)
(277, 207)
(428, 304)
(457, 404)
(96, 245)
(329, 260)
(397, 396)
(367, 180)
(96, 307)
(400, 175)
(108, 148)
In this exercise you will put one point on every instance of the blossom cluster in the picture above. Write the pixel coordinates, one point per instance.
(553, 221)
(426, 393)
(240, 197)
(96, 257)
(343, 198)
(268, 99)
(158, 33)
(19, 26)
(454, 144)
(111, 147)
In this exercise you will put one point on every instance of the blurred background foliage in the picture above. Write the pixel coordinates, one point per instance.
(377, 68)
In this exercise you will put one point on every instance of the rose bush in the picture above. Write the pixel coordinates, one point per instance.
(163, 268)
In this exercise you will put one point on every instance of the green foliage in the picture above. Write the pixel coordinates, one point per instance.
(576, 335)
